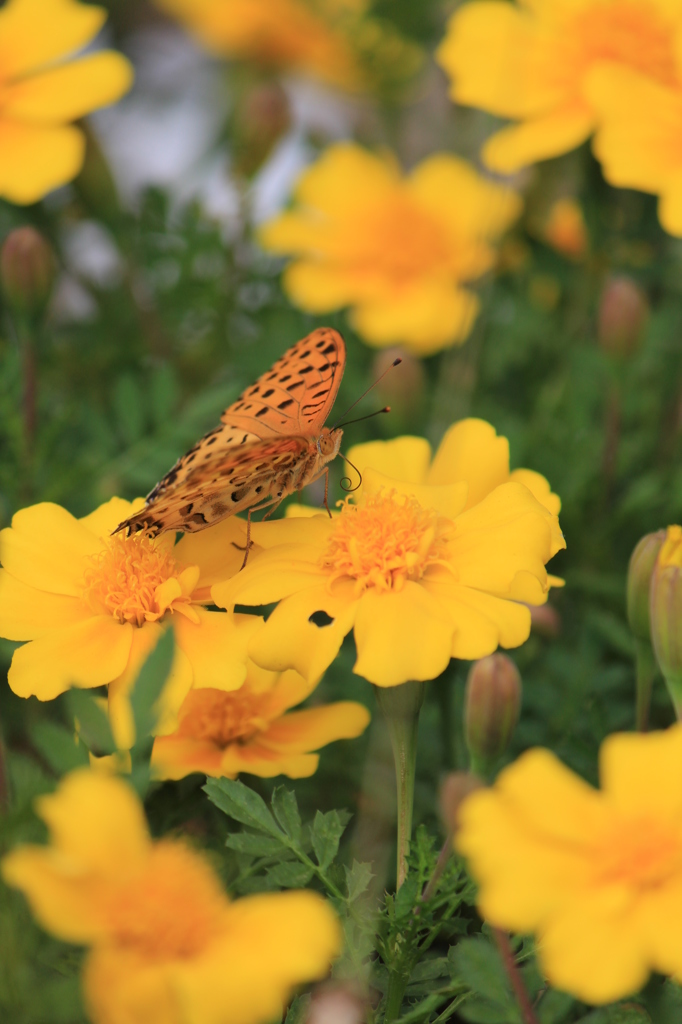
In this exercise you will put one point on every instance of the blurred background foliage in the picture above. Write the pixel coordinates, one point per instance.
(164, 310)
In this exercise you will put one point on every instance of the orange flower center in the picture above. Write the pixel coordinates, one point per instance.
(398, 240)
(172, 910)
(124, 580)
(631, 32)
(642, 853)
(385, 541)
(223, 718)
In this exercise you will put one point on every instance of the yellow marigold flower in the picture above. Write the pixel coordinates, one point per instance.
(280, 34)
(93, 606)
(638, 139)
(596, 874)
(249, 730)
(418, 572)
(166, 941)
(530, 61)
(396, 249)
(43, 89)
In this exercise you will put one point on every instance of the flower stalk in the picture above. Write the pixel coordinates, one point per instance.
(400, 707)
(503, 944)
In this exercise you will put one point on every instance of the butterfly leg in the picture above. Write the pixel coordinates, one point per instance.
(275, 503)
(326, 492)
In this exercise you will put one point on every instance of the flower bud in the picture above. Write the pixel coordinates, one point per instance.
(642, 562)
(665, 612)
(491, 709)
(455, 788)
(545, 620)
(622, 316)
(262, 117)
(27, 270)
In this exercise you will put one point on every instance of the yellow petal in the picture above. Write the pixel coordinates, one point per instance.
(218, 551)
(70, 91)
(591, 950)
(289, 639)
(272, 577)
(175, 757)
(448, 499)
(487, 52)
(258, 759)
(286, 690)
(62, 904)
(143, 642)
(216, 647)
(510, 149)
(670, 206)
(89, 653)
(471, 451)
(295, 933)
(320, 288)
(480, 621)
(346, 176)
(37, 159)
(303, 731)
(104, 520)
(47, 548)
(539, 488)
(403, 458)
(119, 985)
(34, 33)
(641, 774)
(401, 635)
(425, 317)
(27, 613)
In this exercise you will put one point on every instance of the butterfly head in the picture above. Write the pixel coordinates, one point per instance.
(328, 443)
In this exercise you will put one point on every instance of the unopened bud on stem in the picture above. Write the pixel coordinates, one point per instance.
(622, 317)
(640, 570)
(491, 709)
(27, 270)
(666, 613)
(455, 788)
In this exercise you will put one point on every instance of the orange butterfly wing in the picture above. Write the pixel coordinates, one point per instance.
(297, 394)
(263, 436)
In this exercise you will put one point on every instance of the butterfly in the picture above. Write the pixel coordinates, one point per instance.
(271, 442)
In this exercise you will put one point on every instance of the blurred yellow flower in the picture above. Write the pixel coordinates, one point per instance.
(638, 142)
(420, 575)
(596, 874)
(396, 249)
(565, 230)
(529, 62)
(93, 606)
(43, 89)
(167, 944)
(249, 730)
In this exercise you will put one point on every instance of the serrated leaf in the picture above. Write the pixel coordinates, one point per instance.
(477, 963)
(58, 746)
(93, 724)
(325, 835)
(286, 811)
(258, 846)
(358, 878)
(232, 797)
(149, 684)
(290, 876)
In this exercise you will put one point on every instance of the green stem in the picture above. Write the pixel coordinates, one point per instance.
(645, 669)
(400, 707)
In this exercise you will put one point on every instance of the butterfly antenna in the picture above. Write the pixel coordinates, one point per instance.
(346, 480)
(369, 416)
(396, 362)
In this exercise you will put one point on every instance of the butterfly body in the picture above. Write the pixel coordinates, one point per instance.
(271, 442)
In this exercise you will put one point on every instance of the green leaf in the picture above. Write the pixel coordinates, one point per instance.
(298, 1011)
(148, 686)
(290, 876)
(93, 724)
(479, 1010)
(58, 746)
(477, 963)
(258, 846)
(554, 1007)
(241, 803)
(630, 1013)
(358, 878)
(286, 811)
(326, 834)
